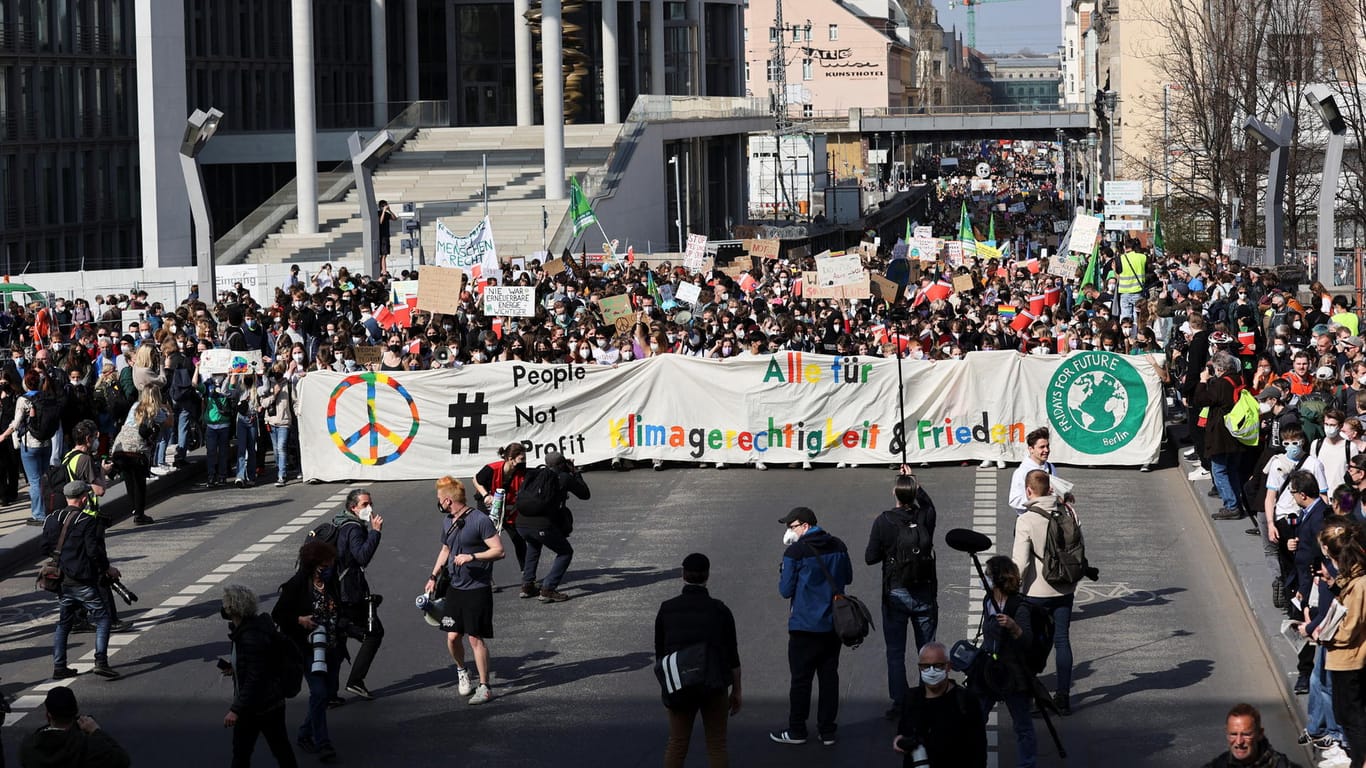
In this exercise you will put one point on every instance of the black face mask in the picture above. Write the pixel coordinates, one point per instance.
(224, 613)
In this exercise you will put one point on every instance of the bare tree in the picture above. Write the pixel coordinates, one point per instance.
(960, 88)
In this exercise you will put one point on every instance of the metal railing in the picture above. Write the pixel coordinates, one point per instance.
(234, 245)
(974, 109)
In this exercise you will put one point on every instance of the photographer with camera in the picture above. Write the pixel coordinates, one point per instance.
(309, 613)
(941, 725)
(357, 539)
(76, 537)
(70, 738)
(545, 522)
(258, 701)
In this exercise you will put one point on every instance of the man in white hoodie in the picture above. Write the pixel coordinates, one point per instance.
(1031, 531)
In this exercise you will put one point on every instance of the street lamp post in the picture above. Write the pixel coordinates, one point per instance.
(678, 202)
(1277, 143)
(1325, 103)
(199, 128)
(1092, 170)
(362, 164)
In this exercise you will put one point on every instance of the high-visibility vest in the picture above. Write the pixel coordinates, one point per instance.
(1132, 268)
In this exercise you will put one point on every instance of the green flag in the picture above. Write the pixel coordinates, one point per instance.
(579, 209)
(651, 288)
(991, 231)
(908, 230)
(1089, 276)
(1159, 242)
(965, 234)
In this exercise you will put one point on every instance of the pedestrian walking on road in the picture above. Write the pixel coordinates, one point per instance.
(545, 522)
(358, 536)
(690, 619)
(77, 538)
(1050, 598)
(470, 548)
(1006, 637)
(308, 613)
(902, 540)
(813, 648)
(258, 701)
(1247, 743)
(70, 738)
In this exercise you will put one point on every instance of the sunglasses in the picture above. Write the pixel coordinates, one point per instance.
(935, 665)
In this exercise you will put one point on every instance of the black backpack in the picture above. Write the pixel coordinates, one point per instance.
(289, 663)
(46, 418)
(540, 493)
(1040, 636)
(181, 388)
(351, 581)
(912, 558)
(1064, 549)
(54, 480)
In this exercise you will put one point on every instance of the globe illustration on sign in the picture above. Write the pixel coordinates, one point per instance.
(1098, 401)
(239, 364)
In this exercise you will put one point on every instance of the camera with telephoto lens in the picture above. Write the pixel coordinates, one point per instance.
(318, 640)
(123, 592)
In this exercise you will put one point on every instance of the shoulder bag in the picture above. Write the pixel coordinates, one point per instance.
(853, 621)
(50, 573)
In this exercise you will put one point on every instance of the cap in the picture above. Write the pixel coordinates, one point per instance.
(1354, 341)
(61, 703)
(75, 489)
(1325, 373)
(1271, 392)
(697, 562)
(799, 515)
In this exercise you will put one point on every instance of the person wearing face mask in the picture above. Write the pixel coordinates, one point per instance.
(358, 536)
(258, 701)
(1345, 654)
(1333, 450)
(218, 395)
(310, 601)
(278, 406)
(813, 648)
(1279, 511)
(941, 716)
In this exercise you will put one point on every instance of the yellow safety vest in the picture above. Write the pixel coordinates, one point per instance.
(1132, 268)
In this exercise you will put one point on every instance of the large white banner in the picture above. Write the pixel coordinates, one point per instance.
(1103, 409)
(477, 247)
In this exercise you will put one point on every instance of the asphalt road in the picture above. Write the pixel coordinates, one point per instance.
(1161, 641)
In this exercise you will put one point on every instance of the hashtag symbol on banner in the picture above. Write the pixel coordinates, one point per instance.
(469, 421)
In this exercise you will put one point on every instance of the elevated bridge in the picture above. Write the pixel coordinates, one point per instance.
(961, 123)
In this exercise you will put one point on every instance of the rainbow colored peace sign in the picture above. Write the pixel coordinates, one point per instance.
(372, 428)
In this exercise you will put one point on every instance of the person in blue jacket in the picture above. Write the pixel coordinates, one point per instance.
(815, 568)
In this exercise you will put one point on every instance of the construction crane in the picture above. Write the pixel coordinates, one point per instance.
(971, 5)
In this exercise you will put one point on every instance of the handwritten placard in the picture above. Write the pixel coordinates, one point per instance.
(213, 361)
(764, 249)
(840, 270)
(438, 289)
(695, 256)
(510, 301)
(615, 309)
(688, 293)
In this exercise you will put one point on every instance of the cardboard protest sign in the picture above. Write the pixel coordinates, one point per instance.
(840, 270)
(438, 289)
(213, 361)
(764, 249)
(510, 300)
(688, 293)
(695, 255)
(617, 308)
(963, 283)
(923, 232)
(554, 267)
(369, 355)
(813, 289)
(882, 288)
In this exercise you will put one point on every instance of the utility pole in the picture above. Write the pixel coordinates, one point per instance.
(782, 121)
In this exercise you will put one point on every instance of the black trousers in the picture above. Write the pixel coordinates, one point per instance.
(271, 725)
(359, 615)
(813, 654)
(1349, 708)
(10, 468)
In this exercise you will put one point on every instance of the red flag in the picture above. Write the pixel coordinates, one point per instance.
(1062, 345)
(748, 283)
(384, 316)
(797, 287)
(403, 316)
(498, 327)
(1033, 266)
(1036, 304)
(630, 254)
(1023, 321)
(1052, 297)
(940, 290)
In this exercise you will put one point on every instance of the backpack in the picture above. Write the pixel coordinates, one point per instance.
(46, 418)
(1311, 408)
(1040, 635)
(181, 387)
(54, 480)
(912, 555)
(351, 581)
(289, 663)
(1064, 550)
(540, 493)
(1244, 419)
(690, 673)
(110, 399)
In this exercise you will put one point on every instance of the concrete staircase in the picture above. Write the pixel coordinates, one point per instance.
(441, 169)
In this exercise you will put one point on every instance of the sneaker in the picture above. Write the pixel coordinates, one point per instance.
(307, 745)
(327, 754)
(839, 465)
(828, 739)
(121, 626)
(552, 596)
(239, 482)
(1306, 737)
(360, 690)
(759, 465)
(159, 471)
(465, 686)
(143, 520)
(482, 695)
(1324, 742)
(279, 483)
(786, 737)
(806, 465)
(1146, 468)
(986, 464)
(1335, 758)
(529, 590)
(618, 465)
(1199, 473)
(720, 465)
(34, 521)
(1000, 463)
(62, 673)
(1301, 685)
(1063, 702)
(658, 464)
(1227, 514)
(1278, 601)
(103, 669)
(1189, 453)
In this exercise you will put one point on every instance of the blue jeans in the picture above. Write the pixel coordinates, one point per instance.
(1026, 746)
(216, 446)
(73, 597)
(35, 461)
(1128, 305)
(900, 606)
(1321, 721)
(163, 442)
(182, 433)
(279, 439)
(548, 538)
(246, 449)
(1223, 468)
(1061, 608)
(321, 687)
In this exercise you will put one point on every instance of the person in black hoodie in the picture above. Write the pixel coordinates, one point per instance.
(258, 703)
(309, 600)
(70, 738)
(902, 540)
(551, 528)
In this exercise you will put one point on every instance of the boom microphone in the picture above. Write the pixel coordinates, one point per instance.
(965, 540)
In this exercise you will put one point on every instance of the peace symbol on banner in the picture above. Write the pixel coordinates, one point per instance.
(355, 446)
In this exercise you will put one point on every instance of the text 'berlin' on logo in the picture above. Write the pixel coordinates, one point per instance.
(363, 444)
(1096, 401)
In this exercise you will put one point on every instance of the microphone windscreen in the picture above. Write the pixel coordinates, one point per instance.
(965, 540)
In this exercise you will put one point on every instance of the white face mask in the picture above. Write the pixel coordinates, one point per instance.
(1280, 348)
(364, 513)
(298, 357)
(790, 537)
(1266, 406)
(1331, 431)
(932, 676)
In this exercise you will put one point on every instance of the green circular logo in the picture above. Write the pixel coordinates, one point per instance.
(1096, 401)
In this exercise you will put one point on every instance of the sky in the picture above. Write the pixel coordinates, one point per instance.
(1006, 26)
